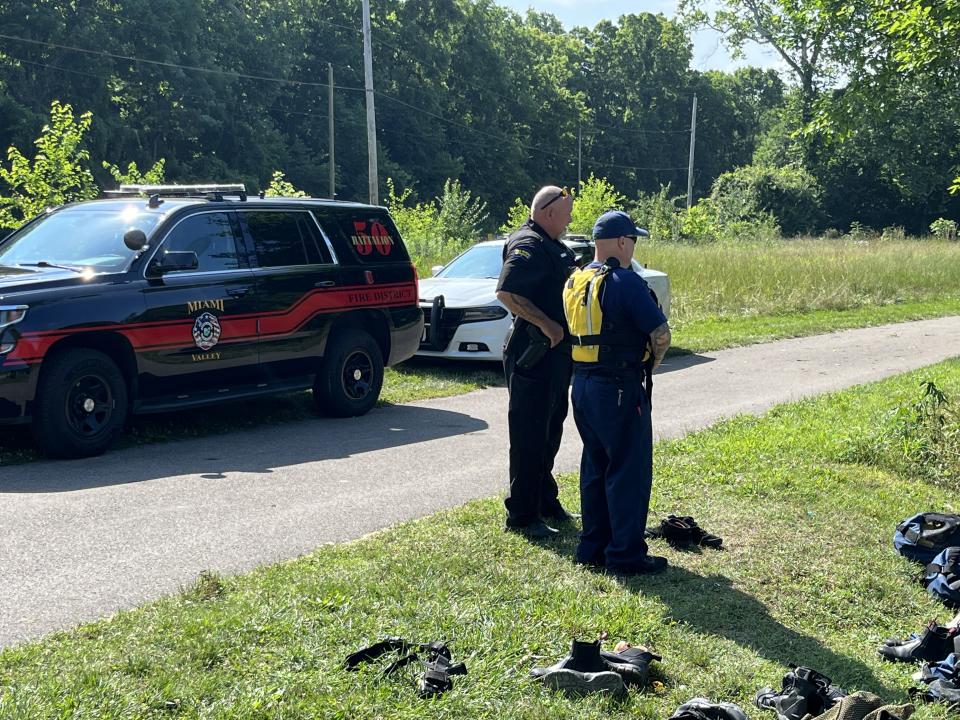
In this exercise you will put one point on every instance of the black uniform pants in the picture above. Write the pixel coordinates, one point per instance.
(539, 399)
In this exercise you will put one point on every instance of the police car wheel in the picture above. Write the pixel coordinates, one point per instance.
(81, 404)
(350, 376)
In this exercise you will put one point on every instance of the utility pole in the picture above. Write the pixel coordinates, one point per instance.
(693, 140)
(333, 165)
(371, 115)
(579, 153)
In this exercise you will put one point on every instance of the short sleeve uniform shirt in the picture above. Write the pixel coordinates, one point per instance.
(535, 266)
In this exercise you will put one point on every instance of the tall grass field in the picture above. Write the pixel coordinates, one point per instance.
(795, 276)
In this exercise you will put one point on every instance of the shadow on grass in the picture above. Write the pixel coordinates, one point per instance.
(712, 605)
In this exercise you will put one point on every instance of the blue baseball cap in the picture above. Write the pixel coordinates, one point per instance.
(614, 224)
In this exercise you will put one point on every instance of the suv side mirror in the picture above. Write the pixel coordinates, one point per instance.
(174, 260)
(435, 269)
(135, 239)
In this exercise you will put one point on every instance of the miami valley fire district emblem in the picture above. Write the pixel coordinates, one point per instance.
(206, 331)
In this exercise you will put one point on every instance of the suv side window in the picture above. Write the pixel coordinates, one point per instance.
(370, 234)
(210, 235)
(283, 238)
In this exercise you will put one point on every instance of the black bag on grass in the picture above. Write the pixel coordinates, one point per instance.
(942, 577)
(922, 537)
(940, 682)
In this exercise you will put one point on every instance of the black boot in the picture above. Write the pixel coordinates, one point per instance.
(932, 644)
(583, 657)
(581, 672)
(632, 664)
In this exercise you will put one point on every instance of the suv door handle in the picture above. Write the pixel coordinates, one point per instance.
(238, 293)
(324, 283)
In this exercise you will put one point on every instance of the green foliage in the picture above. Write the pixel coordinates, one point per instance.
(440, 228)
(517, 215)
(280, 187)
(57, 174)
(944, 229)
(920, 438)
(596, 196)
(417, 222)
(661, 214)
(460, 215)
(789, 194)
(132, 176)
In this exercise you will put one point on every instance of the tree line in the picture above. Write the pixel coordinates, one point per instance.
(468, 90)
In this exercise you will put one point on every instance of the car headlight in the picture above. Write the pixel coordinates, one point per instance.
(483, 314)
(10, 315)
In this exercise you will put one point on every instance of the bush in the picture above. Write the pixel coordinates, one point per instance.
(440, 228)
(895, 233)
(944, 229)
(154, 176)
(660, 214)
(57, 174)
(280, 187)
(517, 215)
(595, 197)
(920, 439)
(790, 194)
(460, 215)
(705, 223)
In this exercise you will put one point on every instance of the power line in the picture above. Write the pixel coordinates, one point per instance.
(197, 68)
(179, 94)
(641, 131)
(229, 73)
(330, 23)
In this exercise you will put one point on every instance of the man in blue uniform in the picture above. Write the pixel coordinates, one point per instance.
(611, 406)
(535, 266)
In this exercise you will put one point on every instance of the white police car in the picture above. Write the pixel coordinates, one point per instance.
(463, 320)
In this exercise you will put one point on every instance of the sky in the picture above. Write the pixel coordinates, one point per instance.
(708, 50)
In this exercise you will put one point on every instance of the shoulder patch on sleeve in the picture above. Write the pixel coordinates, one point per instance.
(520, 252)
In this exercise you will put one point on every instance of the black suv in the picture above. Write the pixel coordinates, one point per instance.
(166, 297)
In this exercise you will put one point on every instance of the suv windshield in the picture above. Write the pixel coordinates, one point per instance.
(86, 237)
(480, 261)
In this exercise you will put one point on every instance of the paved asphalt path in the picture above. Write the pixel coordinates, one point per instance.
(81, 539)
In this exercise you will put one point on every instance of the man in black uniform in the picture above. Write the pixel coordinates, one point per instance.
(536, 265)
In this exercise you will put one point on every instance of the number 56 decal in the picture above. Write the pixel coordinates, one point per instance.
(377, 237)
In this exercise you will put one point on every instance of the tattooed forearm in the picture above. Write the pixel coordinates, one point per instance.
(660, 342)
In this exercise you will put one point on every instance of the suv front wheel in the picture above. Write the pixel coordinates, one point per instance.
(81, 404)
(350, 376)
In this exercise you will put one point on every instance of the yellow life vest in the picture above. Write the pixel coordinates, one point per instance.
(590, 336)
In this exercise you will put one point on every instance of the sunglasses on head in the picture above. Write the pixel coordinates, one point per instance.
(564, 192)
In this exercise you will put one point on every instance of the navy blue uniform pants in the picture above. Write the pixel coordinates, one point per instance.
(616, 468)
(538, 407)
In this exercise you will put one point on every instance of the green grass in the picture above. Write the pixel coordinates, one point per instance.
(800, 276)
(808, 576)
(715, 333)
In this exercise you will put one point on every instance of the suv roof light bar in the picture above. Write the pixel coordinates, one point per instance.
(211, 192)
(168, 190)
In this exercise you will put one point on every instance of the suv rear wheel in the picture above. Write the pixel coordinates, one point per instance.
(81, 404)
(351, 374)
